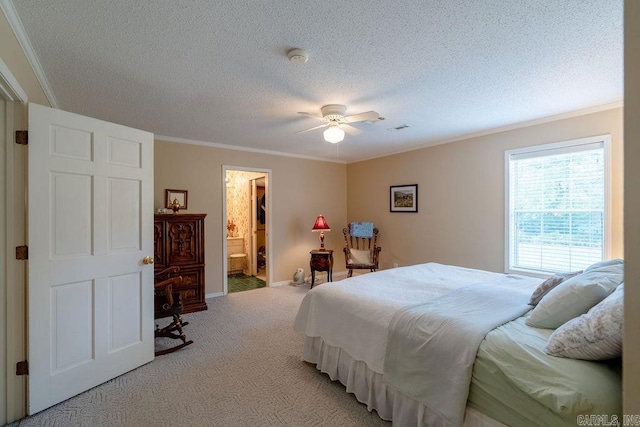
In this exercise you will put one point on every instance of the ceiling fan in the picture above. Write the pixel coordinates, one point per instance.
(333, 116)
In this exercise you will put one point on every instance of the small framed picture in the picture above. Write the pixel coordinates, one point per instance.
(404, 198)
(173, 195)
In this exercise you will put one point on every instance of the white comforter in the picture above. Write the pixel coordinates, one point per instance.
(431, 347)
(354, 314)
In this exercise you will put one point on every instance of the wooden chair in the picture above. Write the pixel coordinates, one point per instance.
(360, 253)
(168, 303)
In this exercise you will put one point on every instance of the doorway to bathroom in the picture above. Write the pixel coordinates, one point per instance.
(247, 213)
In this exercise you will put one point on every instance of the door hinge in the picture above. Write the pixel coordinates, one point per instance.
(22, 368)
(22, 252)
(22, 137)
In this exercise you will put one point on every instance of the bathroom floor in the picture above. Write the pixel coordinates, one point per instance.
(242, 282)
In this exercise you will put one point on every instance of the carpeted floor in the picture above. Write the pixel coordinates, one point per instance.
(242, 282)
(244, 369)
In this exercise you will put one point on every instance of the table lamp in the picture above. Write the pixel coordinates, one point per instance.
(321, 226)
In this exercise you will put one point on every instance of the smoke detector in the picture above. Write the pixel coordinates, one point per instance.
(297, 56)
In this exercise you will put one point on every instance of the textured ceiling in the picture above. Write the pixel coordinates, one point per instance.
(217, 71)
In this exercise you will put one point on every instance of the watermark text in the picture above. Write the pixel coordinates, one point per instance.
(608, 420)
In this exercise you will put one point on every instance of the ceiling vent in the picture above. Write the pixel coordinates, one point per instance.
(397, 128)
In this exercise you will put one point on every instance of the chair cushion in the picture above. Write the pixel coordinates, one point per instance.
(357, 256)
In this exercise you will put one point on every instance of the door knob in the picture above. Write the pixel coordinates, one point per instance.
(147, 260)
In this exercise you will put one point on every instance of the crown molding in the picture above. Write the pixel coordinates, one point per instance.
(534, 122)
(18, 29)
(240, 148)
(10, 89)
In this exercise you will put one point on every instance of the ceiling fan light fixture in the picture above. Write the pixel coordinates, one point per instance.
(333, 134)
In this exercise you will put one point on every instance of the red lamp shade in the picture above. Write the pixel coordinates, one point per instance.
(321, 226)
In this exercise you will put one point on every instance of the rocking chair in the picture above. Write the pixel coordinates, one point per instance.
(361, 252)
(168, 303)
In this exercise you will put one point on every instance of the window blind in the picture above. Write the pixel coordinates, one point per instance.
(557, 207)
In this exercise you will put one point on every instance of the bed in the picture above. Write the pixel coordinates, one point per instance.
(356, 332)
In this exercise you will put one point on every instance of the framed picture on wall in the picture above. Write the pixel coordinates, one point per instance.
(172, 195)
(404, 198)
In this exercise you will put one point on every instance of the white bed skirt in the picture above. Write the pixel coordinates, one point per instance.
(370, 388)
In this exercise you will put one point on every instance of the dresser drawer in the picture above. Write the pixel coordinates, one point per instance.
(192, 289)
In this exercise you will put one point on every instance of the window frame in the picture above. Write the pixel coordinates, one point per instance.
(552, 148)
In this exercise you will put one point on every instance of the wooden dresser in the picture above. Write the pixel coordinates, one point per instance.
(179, 241)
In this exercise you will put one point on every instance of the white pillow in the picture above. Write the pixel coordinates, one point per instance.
(607, 263)
(357, 256)
(546, 286)
(575, 296)
(596, 335)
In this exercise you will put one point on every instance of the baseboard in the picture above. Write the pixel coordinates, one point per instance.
(321, 277)
(337, 275)
(214, 295)
(277, 284)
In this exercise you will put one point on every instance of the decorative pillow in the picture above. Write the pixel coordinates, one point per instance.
(544, 287)
(575, 296)
(357, 256)
(596, 335)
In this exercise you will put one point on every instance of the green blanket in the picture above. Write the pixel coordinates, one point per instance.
(514, 381)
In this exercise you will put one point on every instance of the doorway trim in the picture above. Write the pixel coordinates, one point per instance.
(12, 220)
(268, 224)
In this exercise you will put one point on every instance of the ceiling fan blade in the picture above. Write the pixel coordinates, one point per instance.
(370, 116)
(313, 128)
(350, 129)
(313, 116)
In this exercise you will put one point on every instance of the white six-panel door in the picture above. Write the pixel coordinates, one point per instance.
(90, 303)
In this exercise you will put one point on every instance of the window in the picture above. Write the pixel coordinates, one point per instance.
(557, 206)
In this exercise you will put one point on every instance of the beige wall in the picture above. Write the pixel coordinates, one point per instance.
(300, 190)
(13, 56)
(631, 348)
(460, 217)
(448, 193)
